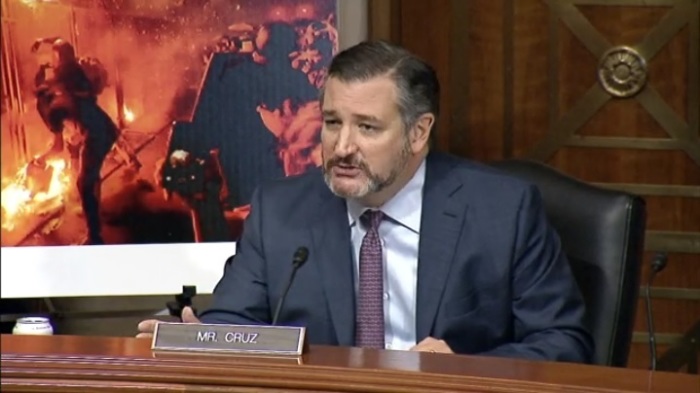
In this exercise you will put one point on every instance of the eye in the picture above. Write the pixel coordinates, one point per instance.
(331, 123)
(367, 127)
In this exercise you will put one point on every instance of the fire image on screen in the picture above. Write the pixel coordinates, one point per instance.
(136, 122)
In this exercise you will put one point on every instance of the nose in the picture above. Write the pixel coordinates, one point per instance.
(345, 144)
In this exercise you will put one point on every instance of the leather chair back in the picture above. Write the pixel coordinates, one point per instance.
(602, 233)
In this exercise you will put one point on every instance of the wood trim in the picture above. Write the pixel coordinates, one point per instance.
(654, 189)
(661, 338)
(384, 20)
(685, 242)
(672, 293)
(74, 363)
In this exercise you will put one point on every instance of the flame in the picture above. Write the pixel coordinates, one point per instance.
(17, 199)
(129, 115)
(34, 3)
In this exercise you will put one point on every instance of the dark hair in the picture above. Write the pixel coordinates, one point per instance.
(66, 52)
(416, 81)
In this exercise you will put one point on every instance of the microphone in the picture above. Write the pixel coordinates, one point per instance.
(300, 257)
(657, 264)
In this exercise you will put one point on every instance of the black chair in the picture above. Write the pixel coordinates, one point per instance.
(602, 233)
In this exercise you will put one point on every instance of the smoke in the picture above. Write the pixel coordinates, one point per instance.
(154, 54)
(157, 47)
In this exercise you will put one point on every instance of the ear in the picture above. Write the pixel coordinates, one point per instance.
(420, 133)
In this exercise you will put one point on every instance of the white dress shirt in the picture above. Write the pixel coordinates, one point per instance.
(399, 233)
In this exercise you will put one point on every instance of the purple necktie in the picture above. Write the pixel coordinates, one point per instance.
(369, 329)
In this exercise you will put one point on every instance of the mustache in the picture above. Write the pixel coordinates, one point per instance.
(349, 160)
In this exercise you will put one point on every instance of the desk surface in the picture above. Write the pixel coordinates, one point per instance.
(116, 364)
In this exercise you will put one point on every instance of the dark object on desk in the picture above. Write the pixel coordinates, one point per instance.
(602, 233)
(229, 340)
(182, 300)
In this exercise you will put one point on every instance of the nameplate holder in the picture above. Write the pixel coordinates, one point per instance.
(216, 339)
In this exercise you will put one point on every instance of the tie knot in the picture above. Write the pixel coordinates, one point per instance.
(372, 218)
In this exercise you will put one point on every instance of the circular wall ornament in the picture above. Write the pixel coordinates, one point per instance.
(622, 71)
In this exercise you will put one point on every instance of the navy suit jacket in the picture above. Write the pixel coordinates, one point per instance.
(492, 277)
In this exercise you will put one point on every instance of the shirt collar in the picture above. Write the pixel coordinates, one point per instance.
(404, 208)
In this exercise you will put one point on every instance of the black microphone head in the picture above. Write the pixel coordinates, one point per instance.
(300, 256)
(659, 262)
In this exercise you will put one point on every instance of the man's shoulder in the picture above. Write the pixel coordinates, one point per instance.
(294, 198)
(294, 190)
(480, 178)
(301, 183)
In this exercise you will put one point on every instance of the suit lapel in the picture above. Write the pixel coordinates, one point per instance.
(441, 224)
(332, 253)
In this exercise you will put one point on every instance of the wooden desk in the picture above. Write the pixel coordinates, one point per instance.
(89, 364)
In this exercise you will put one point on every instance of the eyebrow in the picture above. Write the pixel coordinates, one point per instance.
(359, 117)
(368, 118)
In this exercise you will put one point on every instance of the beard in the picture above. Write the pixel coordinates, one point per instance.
(369, 182)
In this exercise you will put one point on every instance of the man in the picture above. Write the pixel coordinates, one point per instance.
(460, 258)
(69, 95)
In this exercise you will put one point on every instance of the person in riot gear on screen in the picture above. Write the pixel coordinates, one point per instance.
(64, 92)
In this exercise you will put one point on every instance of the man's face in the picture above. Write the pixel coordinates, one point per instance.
(364, 144)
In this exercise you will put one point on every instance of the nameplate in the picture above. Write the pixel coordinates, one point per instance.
(228, 339)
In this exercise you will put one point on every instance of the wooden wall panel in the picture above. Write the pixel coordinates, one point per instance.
(531, 85)
(384, 19)
(681, 272)
(639, 354)
(669, 72)
(434, 46)
(623, 24)
(659, 111)
(595, 164)
(522, 81)
(681, 214)
(633, 120)
(483, 118)
(571, 69)
(669, 314)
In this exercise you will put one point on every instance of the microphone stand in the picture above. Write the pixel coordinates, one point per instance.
(300, 257)
(657, 265)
